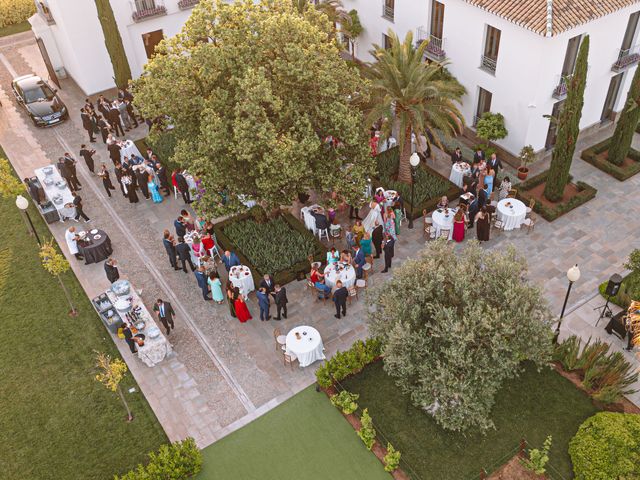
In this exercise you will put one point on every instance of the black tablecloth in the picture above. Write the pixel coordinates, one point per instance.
(98, 250)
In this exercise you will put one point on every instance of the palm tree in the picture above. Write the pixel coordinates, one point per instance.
(420, 97)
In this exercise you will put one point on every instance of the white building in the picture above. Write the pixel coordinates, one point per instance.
(72, 35)
(511, 55)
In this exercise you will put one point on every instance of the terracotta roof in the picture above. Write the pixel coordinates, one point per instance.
(567, 14)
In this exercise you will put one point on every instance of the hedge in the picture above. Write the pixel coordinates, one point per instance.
(607, 446)
(178, 461)
(586, 193)
(282, 277)
(590, 155)
(15, 11)
(629, 290)
(346, 363)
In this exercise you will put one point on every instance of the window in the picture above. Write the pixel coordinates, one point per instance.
(388, 8)
(437, 19)
(150, 40)
(484, 104)
(570, 56)
(386, 41)
(491, 47)
(630, 33)
(612, 97)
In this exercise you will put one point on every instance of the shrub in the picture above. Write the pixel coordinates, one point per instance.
(633, 263)
(391, 459)
(15, 11)
(538, 459)
(367, 433)
(177, 461)
(345, 401)
(346, 363)
(567, 353)
(491, 127)
(607, 446)
(590, 155)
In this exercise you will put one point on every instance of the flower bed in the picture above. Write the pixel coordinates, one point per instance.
(429, 186)
(585, 193)
(594, 156)
(278, 246)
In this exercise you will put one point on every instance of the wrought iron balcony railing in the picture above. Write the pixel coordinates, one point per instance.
(144, 9)
(626, 58)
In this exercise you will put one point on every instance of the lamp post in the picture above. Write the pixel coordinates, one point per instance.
(23, 204)
(573, 275)
(414, 160)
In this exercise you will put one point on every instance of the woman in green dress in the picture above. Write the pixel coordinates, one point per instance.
(216, 287)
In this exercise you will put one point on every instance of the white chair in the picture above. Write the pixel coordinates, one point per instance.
(361, 283)
(214, 252)
(335, 231)
(366, 268)
(323, 231)
(175, 192)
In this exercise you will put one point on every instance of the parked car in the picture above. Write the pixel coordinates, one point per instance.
(39, 100)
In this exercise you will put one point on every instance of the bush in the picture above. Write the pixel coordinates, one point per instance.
(346, 363)
(15, 11)
(178, 461)
(590, 155)
(538, 459)
(630, 287)
(491, 127)
(607, 446)
(345, 401)
(586, 193)
(367, 433)
(567, 353)
(391, 459)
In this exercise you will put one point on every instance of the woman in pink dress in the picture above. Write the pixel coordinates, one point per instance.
(458, 226)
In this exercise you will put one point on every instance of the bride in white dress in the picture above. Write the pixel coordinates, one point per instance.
(374, 216)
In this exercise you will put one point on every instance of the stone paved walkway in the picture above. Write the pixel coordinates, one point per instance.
(223, 373)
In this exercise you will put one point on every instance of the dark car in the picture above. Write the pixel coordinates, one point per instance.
(41, 102)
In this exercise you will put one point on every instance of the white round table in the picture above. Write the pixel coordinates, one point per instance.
(241, 277)
(128, 148)
(511, 212)
(308, 348)
(442, 221)
(340, 271)
(458, 171)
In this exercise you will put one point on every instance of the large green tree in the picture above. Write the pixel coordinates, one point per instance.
(568, 124)
(253, 91)
(113, 41)
(415, 94)
(627, 124)
(454, 327)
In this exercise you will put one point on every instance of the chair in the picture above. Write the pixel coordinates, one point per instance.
(323, 231)
(289, 358)
(530, 223)
(444, 233)
(214, 252)
(366, 268)
(361, 283)
(353, 292)
(335, 231)
(532, 203)
(497, 224)
(280, 339)
(311, 287)
(512, 193)
(494, 204)
(321, 294)
(175, 191)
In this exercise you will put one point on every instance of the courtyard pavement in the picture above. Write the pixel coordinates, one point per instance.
(224, 374)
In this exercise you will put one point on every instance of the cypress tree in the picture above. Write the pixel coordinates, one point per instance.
(113, 41)
(629, 117)
(568, 128)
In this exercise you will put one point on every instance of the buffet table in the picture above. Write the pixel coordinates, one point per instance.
(240, 276)
(56, 191)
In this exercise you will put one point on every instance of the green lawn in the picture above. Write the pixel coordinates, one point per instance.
(532, 406)
(304, 438)
(15, 28)
(56, 421)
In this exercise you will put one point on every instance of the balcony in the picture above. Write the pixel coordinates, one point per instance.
(187, 4)
(45, 13)
(387, 12)
(488, 64)
(626, 58)
(435, 49)
(560, 90)
(144, 9)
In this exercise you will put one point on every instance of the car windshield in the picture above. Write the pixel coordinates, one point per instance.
(38, 93)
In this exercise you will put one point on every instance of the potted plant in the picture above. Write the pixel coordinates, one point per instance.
(526, 157)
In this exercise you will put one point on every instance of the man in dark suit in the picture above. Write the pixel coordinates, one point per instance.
(128, 337)
(104, 127)
(359, 261)
(267, 284)
(183, 187)
(478, 156)
(111, 269)
(388, 252)
(114, 152)
(161, 171)
(114, 119)
(495, 163)
(171, 250)
(322, 223)
(70, 162)
(119, 172)
(264, 302)
(87, 124)
(355, 210)
(281, 300)
(184, 254)
(201, 278)
(88, 157)
(180, 227)
(376, 239)
(77, 202)
(142, 176)
(131, 112)
(456, 156)
(230, 259)
(165, 314)
(340, 299)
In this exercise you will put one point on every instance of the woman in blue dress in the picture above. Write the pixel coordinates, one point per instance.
(153, 189)
(488, 180)
(216, 287)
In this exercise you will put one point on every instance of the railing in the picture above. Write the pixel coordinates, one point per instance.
(186, 4)
(435, 49)
(143, 9)
(422, 34)
(387, 12)
(488, 64)
(43, 10)
(626, 58)
(560, 90)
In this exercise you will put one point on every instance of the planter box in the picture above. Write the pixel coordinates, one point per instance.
(620, 172)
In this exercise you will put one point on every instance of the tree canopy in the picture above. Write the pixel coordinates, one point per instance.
(455, 327)
(254, 90)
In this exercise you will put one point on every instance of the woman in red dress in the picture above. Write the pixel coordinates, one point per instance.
(458, 226)
(242, 312)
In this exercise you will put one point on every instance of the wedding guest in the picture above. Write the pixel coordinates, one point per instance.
(332, 256)
(72, 242)
(322, 223)
(197, 249)
(183, 187)
(358, 230)
(142, 180)
(477, 205)
(77, 202)
(242, 312)
(379, 196)
(201, 278)
(458, 225)
(264, 302)
(165, 314)
(324, 290)
(267, 284)
(114, 152)
(281, 300)
(505, 187)
(359, 261)
(365, 245)
(161, 172)
(184, 254)
(443, 203)
(231, 298)
(478, 157)
(65, 172)
(119, 172)
(208, 227)
(495, 163)
(488, 179)
(207, 243)
(88, 157)
(87, 124)
(376, 238)
(390, 222)
(104, 127)
(230, 259)
(456, 156)
(111, 270)
(153, 189)
(340, 299)
(315, 274)
(388, 252)
(170, 247)
(354, 212)
(216, 287)
(129, 187)
(483, 224)
(181, 229)
(188, 220)
(345, 256)
(128, 337)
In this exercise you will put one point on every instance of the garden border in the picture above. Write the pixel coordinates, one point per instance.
(589, 155)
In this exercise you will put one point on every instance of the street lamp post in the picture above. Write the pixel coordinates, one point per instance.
(414, 160)
(573, 275)
(23, 204)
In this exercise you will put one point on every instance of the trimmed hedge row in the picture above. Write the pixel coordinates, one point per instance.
(346, 363)
(285, 276)
(15, 11)
(590, 155)
(587, 192)
(178, 461)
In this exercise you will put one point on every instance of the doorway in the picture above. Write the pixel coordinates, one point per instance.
(612, 97)
(151, 40)
(552, 133)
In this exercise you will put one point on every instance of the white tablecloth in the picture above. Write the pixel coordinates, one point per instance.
(513, 216)
(347, 275)
(51, 191)
(458, 171)
(239, 278)
(309, 219)
(128, 148)
(441, 221)
(309, 348)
